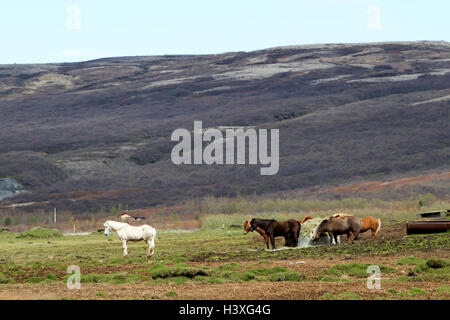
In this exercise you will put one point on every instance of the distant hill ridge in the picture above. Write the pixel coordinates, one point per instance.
(345, 112)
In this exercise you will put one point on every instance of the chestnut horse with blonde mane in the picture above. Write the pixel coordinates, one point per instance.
(367, 223)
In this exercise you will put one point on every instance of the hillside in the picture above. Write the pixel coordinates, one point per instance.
(92, 134)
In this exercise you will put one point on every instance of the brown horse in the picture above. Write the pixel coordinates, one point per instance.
(262, 232)
(369, 223)
(335, 225)
(289, 229)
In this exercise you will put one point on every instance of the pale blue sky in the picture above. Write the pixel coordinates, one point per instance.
(38, 31)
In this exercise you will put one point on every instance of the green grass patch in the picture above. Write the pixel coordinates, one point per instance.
(286, 276)
(348, 295)
(261, 274)
(40, 233)
(112, 278)
(36, 279)
(101, 294)
(171, 294)
(267, 271)
(434, 265)
(233, 266)
(355, 269)
(328, 296)
(414, 291)
(5, 279)
(445, 288)
(159, 270)
(331, 279)
(411, 260)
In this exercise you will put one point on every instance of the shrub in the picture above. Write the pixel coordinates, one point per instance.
(436, 263)
(159, 270)
(7, 221)
(430, 264)
(6, 280)
(171, 293)
(426, 199)
(40, 233)
(411, 260)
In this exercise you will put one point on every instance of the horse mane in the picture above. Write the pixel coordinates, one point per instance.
(340, 215)
(255, 221)
(262, 220)
(116, 223)
(320, 224)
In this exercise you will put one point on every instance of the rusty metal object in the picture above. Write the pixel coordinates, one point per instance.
(431, 226)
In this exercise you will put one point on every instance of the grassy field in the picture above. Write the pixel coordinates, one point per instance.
(222, 263)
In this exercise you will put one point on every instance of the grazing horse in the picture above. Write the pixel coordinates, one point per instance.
(335, 226)
(289, 229)
(369, 223)
(126, 233)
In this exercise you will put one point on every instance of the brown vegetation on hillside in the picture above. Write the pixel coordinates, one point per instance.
(99, 131)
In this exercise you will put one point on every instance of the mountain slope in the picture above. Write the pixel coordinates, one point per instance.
(96, 133)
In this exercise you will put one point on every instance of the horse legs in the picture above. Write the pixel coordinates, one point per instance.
(295, 235)
(335, 238)
(374, 231)
(350, 236)
(125, 250)
(355, 236)
(266, 239)
(151, 247)
(287, 240)
(272, 240)
(331, 236)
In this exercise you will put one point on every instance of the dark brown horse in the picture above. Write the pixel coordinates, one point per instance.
(289, 229)
(335, 226)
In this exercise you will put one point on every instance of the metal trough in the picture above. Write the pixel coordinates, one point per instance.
(435, 214)
(431, 226)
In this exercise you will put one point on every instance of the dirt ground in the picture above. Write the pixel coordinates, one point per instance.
(247, 290)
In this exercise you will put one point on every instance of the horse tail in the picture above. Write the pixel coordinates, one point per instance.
(379, 226)
(304, 219)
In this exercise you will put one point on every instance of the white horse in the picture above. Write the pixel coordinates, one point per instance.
(126, 233)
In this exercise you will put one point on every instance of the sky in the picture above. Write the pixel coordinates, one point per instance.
(42, 31)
